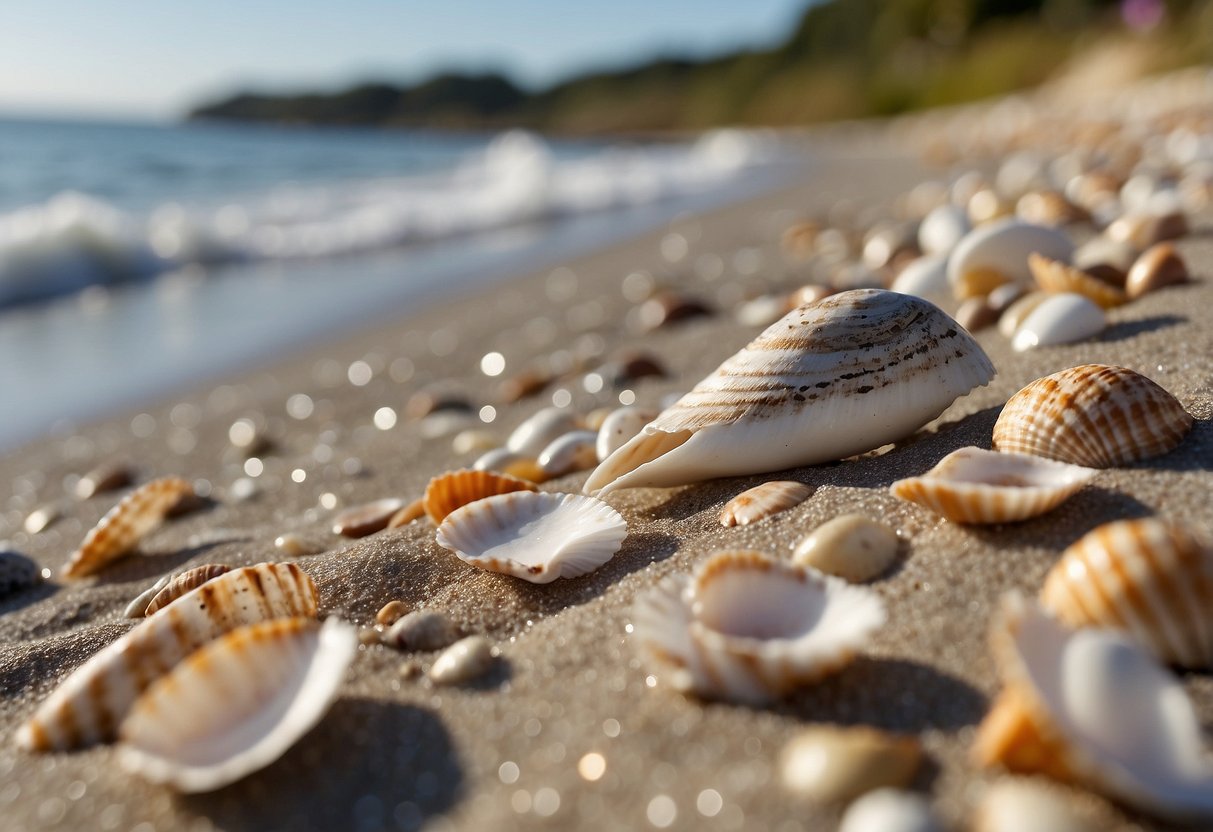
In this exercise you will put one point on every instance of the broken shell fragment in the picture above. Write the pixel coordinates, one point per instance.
(368, 518)
(183, 583)
(121, 529)
(575, 451)
(1059, 319)
(828, 765)
(1157, 267)
(762, 501)
(463, 661)
(452, 490)
(998, 253)
(851, 546)
(1054, 276)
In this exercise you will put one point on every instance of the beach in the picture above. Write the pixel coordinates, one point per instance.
(503, 752)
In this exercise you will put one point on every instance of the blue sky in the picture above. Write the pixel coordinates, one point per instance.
(156, 57)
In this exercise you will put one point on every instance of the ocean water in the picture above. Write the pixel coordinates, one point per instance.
(135, 259)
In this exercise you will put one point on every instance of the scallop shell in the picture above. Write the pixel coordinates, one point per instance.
(574, 451)
(89, 704)
(1091, 706)
(1059, 319)
(537, 432)
(237, 704)
(183, 583)
(1092, 415)
(1054, 276)
(762, 501)
(832, 379)
(450, 491)
(972, 485)
(1149, 577)
(368, 518)
(827, 765)
(535, 536)
(998, 253)
(121, 529)
(749, 628)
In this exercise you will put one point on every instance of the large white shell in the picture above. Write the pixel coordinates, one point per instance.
(831, 379)
(1059, 319)
(237, 704)
(535, 536)
(749, 628)
(1002, 248)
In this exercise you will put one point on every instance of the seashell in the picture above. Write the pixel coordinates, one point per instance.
(1157, 267)
(850, 546)
(535, 536)
(810, 293)
(942, 229)
(444, 423)
(88, 706)
(762, 501)
(926, 277)
(106, 477)
(666, 308)
(437, 398)
(1049, 208)
(523, 385)
(510, 463)
(1059, 319)
(295, 546)
(1015, 314)
(138, 607)
(749, 628)
(890, 243)
(761, 311)
(473, 441)
(41, 518)
(1001, 298)
(619, 427)
(797, 241)
(367, 518)
(631, 367)
(1015, 806)
(1092, 415)
(237, 704)
(988, 205)
(248, 436)
(463, 661)
(1053, 276)
(976, 314)
(890, 810)
(1149, 577)
(1090, 706)
(17, 573)
(1105, 252)
(183, 583)
(450, 491)
(857, 276)
(121, 529)
(537, 432)
(972, 485)
(998, 253)
(421, 630)
(832, 379)
(391, 612)
(1145, 229)
(413, 511)
(830, 765)
(575, 451)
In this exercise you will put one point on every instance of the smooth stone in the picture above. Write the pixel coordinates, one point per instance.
(851, 546)
(422, 630)
(463, 661)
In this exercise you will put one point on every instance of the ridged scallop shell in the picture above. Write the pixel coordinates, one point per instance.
(972, 485)
(831, 379)
(535, 536)
(237, 704)
(121, 529)
(993, 254)
(762, 501)
(90, 703)
(1091, 706)
(1092, 415)
(184, 583)
(449, 491)
(1149, 577)
(1055, 276)
(1059, 319)
(749, 628)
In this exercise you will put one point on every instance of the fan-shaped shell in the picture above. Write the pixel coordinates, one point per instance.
(762, 501)
(183, 583)
(1093, 707)
(972, 485)
(749, 628)
(1149, 577)
(535, 536)
(237, 704)
(1055, 276)
(1092, 415)
(88, 706)
(1059, 319)
(997, 253)
(449, 491)
(831, 379)
(121, 529)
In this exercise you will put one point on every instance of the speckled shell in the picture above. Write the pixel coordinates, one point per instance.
(121, 529)
(762, 501)
(449, 491)
(1149, 577)
(749, 628)
(535, 536)
(237, 704)
(1055, 276)
(972, 485)
(833, 378)
(88, 706)
(183, 583)
(1062, 318)
(1092, 415)
(998, 253)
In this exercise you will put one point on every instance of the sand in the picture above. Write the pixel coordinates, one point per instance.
(503, 753)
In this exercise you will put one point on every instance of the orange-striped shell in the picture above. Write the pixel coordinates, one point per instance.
(1055, 276)
(762, 501)
(1149, 577)
(454, 489)
(1092, 415)
(121, 529)
(183, 583)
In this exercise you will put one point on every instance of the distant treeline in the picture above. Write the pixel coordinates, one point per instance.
(845, 59)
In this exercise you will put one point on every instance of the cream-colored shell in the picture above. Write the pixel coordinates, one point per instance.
(619, 427)
(850, 546)
(454, 489)
(183, 583)
(538, 431)
(942, 229)
(573, 451)
(762, 501)
(925, 277)
(824, 764)
(1062, 318)
(1001, 250)
(890, 810)
(1018, 312)
(368, 518)
(121, 529)
(511, 463)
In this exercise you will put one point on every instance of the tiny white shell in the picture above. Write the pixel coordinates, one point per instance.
(1059, 319)
(942, 229)
(1002, 248)
(620, 426)
(534, 434)
(574, 451)
(1018, 311)
(926, 277)
(890, 810)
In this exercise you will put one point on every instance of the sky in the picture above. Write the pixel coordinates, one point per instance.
(156, 58)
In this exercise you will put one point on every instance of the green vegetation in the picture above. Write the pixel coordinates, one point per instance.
(846, 59)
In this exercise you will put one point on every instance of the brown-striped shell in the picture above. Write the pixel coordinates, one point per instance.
(1055, 276)
(367, 518)
(183, 583)
(1150, 577)
(121, 529)
(454, 489)
(1092, 415)
(762, 501)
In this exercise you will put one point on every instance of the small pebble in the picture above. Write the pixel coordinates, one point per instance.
(138, 607)
(1018, 805)
(850, 546)
(248, 436)
(391, 612)
(107, 477)
(41, 517)
(463, 661)
(17, 572)
(421, 630)
(368, 636)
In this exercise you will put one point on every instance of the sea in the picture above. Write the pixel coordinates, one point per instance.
(136, 259)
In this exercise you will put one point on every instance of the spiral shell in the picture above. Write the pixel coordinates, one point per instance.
(762, 501)
(121, 529)
(1092, 415)
(454, 489)
(1055, 276)
(183, 583)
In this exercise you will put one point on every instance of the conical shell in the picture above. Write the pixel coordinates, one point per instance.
(1092, 415)
(90, 703)
(762, 501)
(237, 704)
(184, 583)
(1149, 577)
(535, 536)
(834, 378)
(971, 485)
(454, 489)
(749, 628)
(1055, 276)
(1059, 319)
(121, 529)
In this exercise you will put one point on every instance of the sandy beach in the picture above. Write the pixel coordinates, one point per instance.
(396, 752)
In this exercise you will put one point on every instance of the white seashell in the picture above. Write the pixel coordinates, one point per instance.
(510, 463)
(237, 704)
(749, 628)
(535, 536)
(832, 379)
(1017, 806)
(121, 529)
(1059, 319)
(942, 229)
(443, 423)
(997, 253)
(295, 546)
(926, 277)
(619, 427)
(851, 547)
(1057, 277)
(972, 485)
(890, 810)
(537, 432)
(138, 607)
(575, 451)
(1091, 706)
(1018, 311)
(41, 518)
(827, 765)
(463, 661)
(762, 501)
